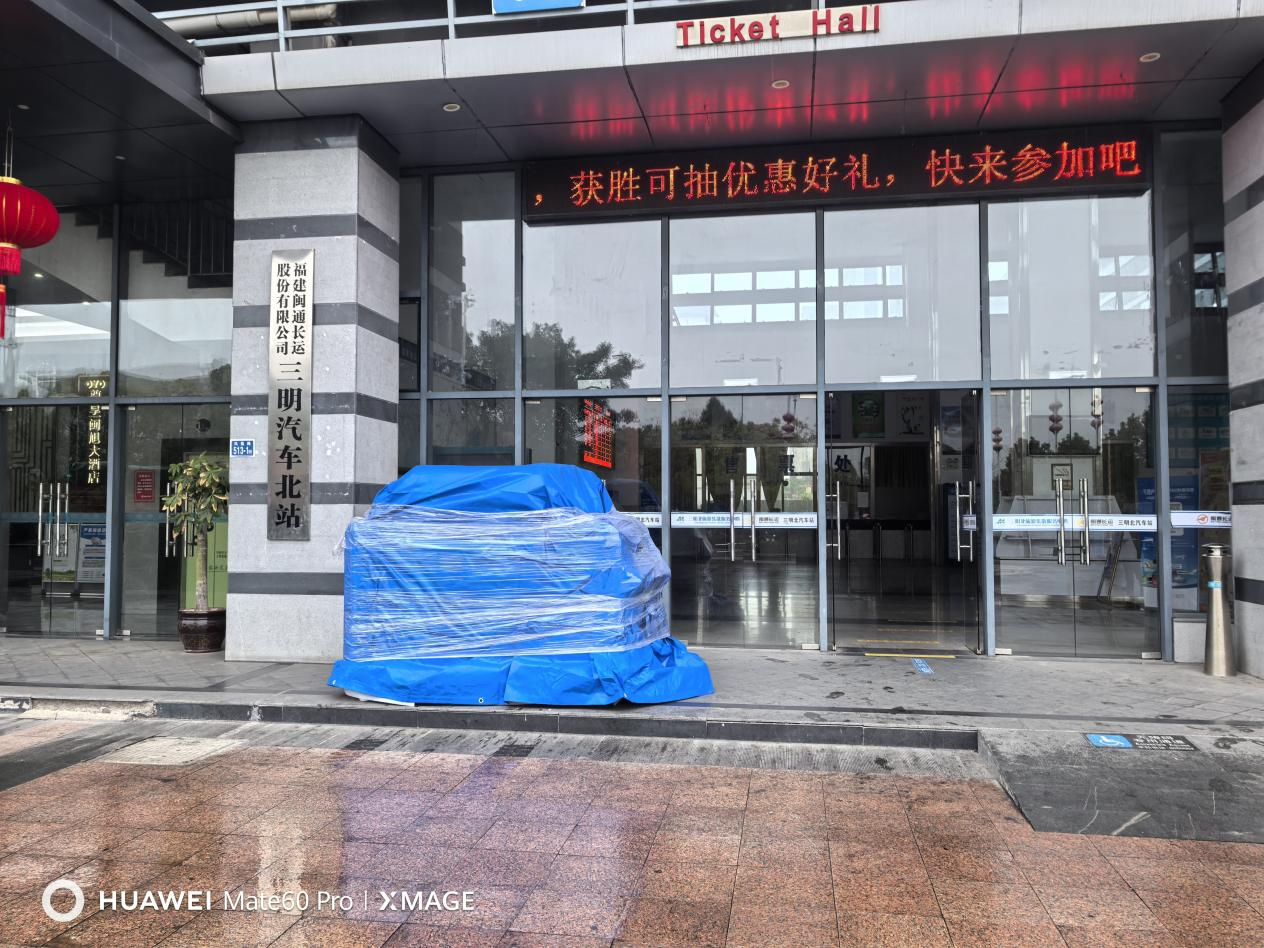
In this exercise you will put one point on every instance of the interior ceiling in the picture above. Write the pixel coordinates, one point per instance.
(513, 109)
(91, 129)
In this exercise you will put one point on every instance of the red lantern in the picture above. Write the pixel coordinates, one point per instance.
(27, 219)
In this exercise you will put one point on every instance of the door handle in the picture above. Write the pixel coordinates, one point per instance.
(166, 524)
(732, 521)
(1060, 503)
(970, 511)
(838, 519)
(754, 487)
(1086, 556)
(63, 539)
(55, 538)
(39, 523)
(956, 504)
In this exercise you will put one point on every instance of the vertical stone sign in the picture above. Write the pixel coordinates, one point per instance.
(290, 395)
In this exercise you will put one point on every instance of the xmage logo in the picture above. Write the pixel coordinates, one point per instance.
(62, 885)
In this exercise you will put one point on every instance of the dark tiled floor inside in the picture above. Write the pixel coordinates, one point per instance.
(571, 852)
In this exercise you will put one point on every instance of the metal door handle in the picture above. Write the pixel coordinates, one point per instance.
(1061, 508)
(188, 548)
(970, 511)
(732, 521)
(166, 524)
(1085, 556)
(956, 503)
(63, 539)
(754, 487)
(39, 523)
(837, 545)
(55, 538)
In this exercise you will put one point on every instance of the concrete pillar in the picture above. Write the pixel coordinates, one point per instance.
(330, 184)
(1244, 276)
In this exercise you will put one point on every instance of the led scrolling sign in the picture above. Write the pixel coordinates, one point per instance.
(1097, 158)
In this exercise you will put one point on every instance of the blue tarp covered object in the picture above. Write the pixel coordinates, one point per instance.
(486, 585)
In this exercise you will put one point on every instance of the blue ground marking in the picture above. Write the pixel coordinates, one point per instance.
(1109, 740)
(923, 666)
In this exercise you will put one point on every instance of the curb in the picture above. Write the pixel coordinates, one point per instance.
(542, 721)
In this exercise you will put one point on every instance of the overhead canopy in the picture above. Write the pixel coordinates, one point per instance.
(935, 66)
(106, 105)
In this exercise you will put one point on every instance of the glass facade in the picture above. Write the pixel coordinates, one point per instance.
(743, 300)
(472, 308)
(115, 363)
(872, 369)
(591, 306)
(902, 294)
(60, 319)
(1071, 288)
(765, 391)
(176, 302)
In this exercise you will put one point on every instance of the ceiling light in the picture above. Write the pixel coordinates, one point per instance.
(120, 158)
(781, 83)
(23, 107)
(452, 106)
(38, 275)
(1150, 57)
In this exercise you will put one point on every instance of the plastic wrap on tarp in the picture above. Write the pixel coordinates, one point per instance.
(520, 584)
(497, 489)
(664, 670)
(425, 583)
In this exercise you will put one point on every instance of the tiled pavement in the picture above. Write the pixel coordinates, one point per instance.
(751, 685)
(580, 841)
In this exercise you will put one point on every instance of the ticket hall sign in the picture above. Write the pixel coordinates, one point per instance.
(760, 27)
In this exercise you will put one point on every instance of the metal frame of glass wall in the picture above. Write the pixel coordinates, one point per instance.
(1158, 381)
(116, 434)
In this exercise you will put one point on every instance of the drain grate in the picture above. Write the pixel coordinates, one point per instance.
(365, 744)
(170, 750)
(514, 750)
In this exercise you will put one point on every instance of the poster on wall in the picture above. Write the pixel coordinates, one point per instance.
(868, 415)
(912, 409)
(290, 395)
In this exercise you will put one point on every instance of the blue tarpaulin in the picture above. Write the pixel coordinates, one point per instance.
(485, 585)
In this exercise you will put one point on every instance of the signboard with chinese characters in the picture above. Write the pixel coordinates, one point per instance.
(290, 395)
(598, 434)
(1102, 158)
(764, 27)
(95, 386)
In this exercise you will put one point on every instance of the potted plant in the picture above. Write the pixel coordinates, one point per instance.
(198, 493)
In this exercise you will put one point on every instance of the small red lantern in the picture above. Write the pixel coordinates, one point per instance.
(27, 219)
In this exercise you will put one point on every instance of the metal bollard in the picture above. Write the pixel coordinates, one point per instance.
(1218, 659)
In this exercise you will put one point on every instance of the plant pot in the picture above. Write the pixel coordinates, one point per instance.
(202, 631)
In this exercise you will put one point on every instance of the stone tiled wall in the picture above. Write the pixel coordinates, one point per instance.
(1244, 248)
(331, 184)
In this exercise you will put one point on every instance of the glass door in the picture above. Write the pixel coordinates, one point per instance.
(901, 480)
(743, 520)
(1074, 521)
(52, 519)
(158, 572)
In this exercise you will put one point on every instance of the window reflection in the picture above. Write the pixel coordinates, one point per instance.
(1071, 288)
(908, 296)
(1193, 260)
(743, 300)
(471, 431)
(57, 332)
(472, 283)
(591, 305)
(176, 316)
(618, 439)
